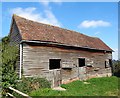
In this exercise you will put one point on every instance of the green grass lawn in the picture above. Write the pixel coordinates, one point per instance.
(105, 86)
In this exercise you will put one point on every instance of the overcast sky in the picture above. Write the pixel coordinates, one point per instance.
(93, 19)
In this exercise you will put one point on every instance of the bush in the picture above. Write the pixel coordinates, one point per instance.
(29, 84)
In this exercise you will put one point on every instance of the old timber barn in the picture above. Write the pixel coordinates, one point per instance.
(57, 54)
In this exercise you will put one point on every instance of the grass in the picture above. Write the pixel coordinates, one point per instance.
(105, 86)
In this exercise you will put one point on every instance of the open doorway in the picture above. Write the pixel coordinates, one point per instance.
(110, 62)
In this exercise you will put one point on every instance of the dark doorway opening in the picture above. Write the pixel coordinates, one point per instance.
(110, 62)
(81, 62)
(54, 63)
(106, 64)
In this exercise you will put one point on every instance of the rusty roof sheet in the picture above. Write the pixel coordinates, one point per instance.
(31, 30)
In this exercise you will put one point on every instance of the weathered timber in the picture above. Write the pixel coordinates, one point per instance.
(19, 92)
(14, 35)
(78, 56)
(36, 62)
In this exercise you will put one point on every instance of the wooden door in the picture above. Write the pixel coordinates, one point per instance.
(82, 73)
(57, 77)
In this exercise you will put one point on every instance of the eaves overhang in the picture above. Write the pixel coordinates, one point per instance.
(61, 44)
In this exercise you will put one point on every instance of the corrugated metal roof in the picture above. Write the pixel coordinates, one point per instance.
(31, 30)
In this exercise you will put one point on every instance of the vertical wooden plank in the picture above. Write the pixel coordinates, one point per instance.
(20, 69)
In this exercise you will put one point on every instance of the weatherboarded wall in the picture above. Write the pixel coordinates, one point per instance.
(14, 35)
(36, 61)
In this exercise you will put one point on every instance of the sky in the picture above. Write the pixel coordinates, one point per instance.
(97, 19)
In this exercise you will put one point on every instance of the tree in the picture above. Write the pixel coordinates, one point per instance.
(9, 57)
(116, 68)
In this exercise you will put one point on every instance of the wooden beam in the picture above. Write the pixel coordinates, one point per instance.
(20, 69)
(11, 95)
(17, 91)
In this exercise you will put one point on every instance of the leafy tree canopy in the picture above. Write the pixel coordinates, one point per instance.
(9, 55)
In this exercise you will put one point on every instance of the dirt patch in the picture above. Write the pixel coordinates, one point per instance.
(59, 89)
